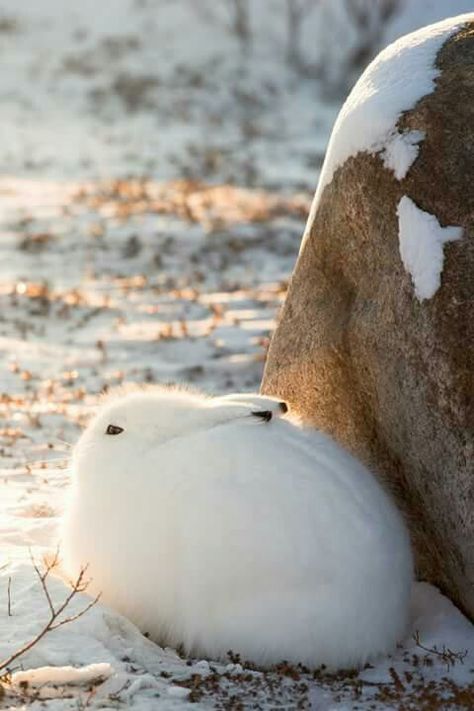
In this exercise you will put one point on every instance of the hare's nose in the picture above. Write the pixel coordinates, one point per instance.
(283, 407)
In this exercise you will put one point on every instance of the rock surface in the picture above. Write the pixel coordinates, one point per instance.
(357, 354)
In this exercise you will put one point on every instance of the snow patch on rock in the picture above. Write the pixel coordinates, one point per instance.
(401, 151)
(421, 240)
(394, 82)
(397, 78)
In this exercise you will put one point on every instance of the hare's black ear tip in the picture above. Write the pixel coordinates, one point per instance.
(283, 407)
(265, 415)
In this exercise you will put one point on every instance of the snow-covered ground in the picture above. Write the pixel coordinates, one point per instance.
(129, 253)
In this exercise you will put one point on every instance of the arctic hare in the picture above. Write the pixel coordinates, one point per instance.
(218, 524)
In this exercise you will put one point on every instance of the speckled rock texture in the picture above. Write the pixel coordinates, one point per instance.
(357, 355)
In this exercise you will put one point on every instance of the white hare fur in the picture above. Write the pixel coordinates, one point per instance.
(216, 530)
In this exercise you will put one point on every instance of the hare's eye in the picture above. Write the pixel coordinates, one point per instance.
(113, 430)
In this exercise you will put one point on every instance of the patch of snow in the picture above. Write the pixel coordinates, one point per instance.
(421, 240)
(156, 87)
(397, 78)
(178, 691)
(104, 651)
(401, 152)
(76, 676)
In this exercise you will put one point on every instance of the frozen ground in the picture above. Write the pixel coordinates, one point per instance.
(128, 254)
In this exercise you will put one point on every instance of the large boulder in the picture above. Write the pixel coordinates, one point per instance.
(375, 340)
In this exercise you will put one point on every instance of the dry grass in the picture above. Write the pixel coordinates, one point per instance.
(212, 206)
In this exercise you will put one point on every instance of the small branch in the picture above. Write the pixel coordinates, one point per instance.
(448, 656)
(42, 576)
(78, 586)
(72, 618)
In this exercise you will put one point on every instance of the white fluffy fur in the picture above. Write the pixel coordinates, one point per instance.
(215, 530)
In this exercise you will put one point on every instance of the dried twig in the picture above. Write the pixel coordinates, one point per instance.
(78, 586)
(448, 656)
(50, 565)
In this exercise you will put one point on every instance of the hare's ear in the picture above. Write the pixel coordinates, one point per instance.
(221, 410)
(259, 404)
(264, 415)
